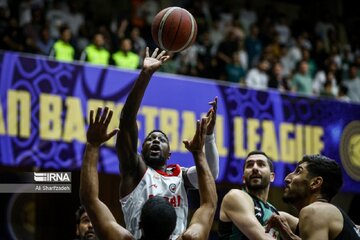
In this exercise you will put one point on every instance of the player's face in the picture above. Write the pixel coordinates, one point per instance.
(297, 185)
(156, 150)
(85, 229)
(257, 174)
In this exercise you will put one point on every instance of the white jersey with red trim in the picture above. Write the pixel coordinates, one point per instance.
(170, 185)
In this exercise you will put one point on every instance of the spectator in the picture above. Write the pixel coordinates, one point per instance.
(283, 30)
(326, 92)
(310, 61)
(138, 42)
(235, 71)
(277, 80)
(96, 53)
(342, 95)
(253, 45)
(44, 43)
(62, 49)
(13, 39)
(247, 16)
(257, 77)
(125, 58)
(353, 84)
(226, 50)
(301, 81)
(320, 78)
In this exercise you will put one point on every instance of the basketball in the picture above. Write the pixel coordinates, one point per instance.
(174, 29)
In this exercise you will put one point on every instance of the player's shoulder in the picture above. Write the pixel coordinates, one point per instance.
(320, 211)
(238, 196)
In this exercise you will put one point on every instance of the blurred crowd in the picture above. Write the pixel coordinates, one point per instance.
(243, 46)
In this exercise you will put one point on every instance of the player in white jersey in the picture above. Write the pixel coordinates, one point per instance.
(135, 167)
(156, 183)
(157, 215)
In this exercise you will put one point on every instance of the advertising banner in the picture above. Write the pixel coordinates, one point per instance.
(44, 107)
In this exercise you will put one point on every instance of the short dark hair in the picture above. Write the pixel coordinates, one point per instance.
(328, 169)
(79, 213)
(269, 160)
(157, 130)
(63, 28)
(158, 218)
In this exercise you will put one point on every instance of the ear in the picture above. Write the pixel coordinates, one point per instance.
(169, 155)
(243, 179)
(77, 230)
(316, 183)
(272, 177)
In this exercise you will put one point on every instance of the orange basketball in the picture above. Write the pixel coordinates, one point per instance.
(174, 29)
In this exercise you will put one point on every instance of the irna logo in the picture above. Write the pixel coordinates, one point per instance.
(52, 177)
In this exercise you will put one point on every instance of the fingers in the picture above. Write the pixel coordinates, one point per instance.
(164, 58)
(186, 143)
(91, 117)
(108, 119)
(104, 115)
(161, 54)
(98, 113)
(203, 126)
(155, 53)
(103, 118)
(147, 52)
(112, 133)
(214, 103)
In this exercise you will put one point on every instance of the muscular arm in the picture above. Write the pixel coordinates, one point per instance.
(291, 220)
(201, 222)
(131, 166)
(238, 207)
(102, 219)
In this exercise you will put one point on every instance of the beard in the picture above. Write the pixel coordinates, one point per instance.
(258, 185)
(89, 237)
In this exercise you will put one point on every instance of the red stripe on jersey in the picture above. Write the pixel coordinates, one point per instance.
(172, 170)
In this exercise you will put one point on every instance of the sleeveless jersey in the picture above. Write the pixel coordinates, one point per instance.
(349, 231)
(263, 211)
(170, 185)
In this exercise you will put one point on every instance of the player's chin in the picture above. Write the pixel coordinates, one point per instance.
(90, 236)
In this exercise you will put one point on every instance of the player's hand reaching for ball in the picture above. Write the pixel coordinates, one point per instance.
(154, 62)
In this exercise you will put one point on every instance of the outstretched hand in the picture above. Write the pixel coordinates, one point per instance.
(211, 115)
(154, 62)
(97, 131)
(198, 141)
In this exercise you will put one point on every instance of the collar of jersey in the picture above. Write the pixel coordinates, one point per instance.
(172, 170)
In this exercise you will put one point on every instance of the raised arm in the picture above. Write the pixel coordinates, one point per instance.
(101, 218)
(211, 152)
(131, 167)
(201, 222)
(238, 207)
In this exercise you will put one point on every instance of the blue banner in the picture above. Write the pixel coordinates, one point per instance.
(44, 106)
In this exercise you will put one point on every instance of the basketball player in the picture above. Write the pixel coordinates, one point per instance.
(158, 217)
(310, 188)
(144, 175)
(84, 228)
(244, 213)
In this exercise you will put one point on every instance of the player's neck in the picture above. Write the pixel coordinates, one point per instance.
(261, 194)
(310, 200)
